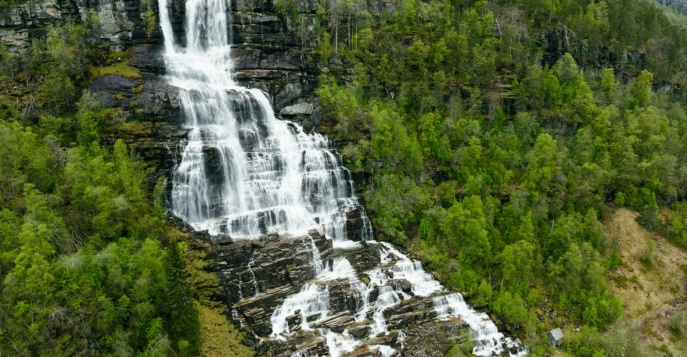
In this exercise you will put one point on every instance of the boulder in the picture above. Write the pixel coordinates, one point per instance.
(297, 109)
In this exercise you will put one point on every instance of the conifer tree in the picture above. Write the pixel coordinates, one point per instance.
(183, 325)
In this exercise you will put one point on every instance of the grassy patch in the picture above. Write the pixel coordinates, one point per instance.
(620, 280)
(118, 68)
(218, 336)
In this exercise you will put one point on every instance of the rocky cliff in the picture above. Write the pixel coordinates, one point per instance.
(267, 55)
(121, 21)
(259, 275)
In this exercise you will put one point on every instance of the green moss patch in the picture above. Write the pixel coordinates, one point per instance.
(118, 69)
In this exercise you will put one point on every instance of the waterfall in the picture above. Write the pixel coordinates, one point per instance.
(245, 173)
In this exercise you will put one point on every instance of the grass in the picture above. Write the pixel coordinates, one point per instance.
(118, 69)
(218, 336)
(646, 285)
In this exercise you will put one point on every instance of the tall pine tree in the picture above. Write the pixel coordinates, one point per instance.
(183, 325)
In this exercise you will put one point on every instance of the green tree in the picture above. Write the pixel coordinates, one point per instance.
(520, 263)
(182, 321)
(643, 88)
(465, 229)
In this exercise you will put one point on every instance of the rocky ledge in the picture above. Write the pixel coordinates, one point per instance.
(266, 55)
(261, 277)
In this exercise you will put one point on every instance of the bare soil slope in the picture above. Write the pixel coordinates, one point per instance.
(651, 285)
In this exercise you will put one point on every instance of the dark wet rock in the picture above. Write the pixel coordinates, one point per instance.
(288, 94)
(110, 90)
(343, 297)
(257, 276)
(359, 331)
(222, 239)
(148, 58)
(297, 109)
(403, 285)
(336, 323)
(366, 258)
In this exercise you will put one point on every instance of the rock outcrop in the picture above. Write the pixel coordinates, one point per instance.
(259, 275)
(267, 54)
(121, 22)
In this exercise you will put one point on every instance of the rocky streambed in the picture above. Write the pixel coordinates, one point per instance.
(369, 299)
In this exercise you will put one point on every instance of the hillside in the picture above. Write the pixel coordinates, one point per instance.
(650, 283)
(495, 136)
(532, 154)
(679, 6)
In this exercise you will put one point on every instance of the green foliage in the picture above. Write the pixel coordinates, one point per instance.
(677, 323)
(520, 263)
(149, 16)
(82, 264)
(394, 199)
(512, 308)
(457, 351)
(58, 93)
(288, 8)
(182, 321)
(118, 68)
(498, 158)
(87, 264)
(464, 231)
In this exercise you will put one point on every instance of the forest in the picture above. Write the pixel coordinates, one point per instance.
(497, 137)
(88, 265)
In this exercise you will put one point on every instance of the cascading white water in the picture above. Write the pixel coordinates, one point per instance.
(311, 302)
(490, 340)
(243, 172)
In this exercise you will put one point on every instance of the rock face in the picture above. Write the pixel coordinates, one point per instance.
(259, 275)
(20, 23)
(121, 21)
(267, 54)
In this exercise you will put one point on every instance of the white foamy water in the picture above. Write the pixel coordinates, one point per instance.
(245, 173)
(311, 303)
(340, 344)
(489, 339)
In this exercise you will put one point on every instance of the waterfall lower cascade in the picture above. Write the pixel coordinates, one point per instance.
(258, 179)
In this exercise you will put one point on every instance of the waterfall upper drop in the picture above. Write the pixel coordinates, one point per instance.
(245, 173)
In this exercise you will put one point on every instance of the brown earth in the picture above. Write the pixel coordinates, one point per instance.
(651, 285)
